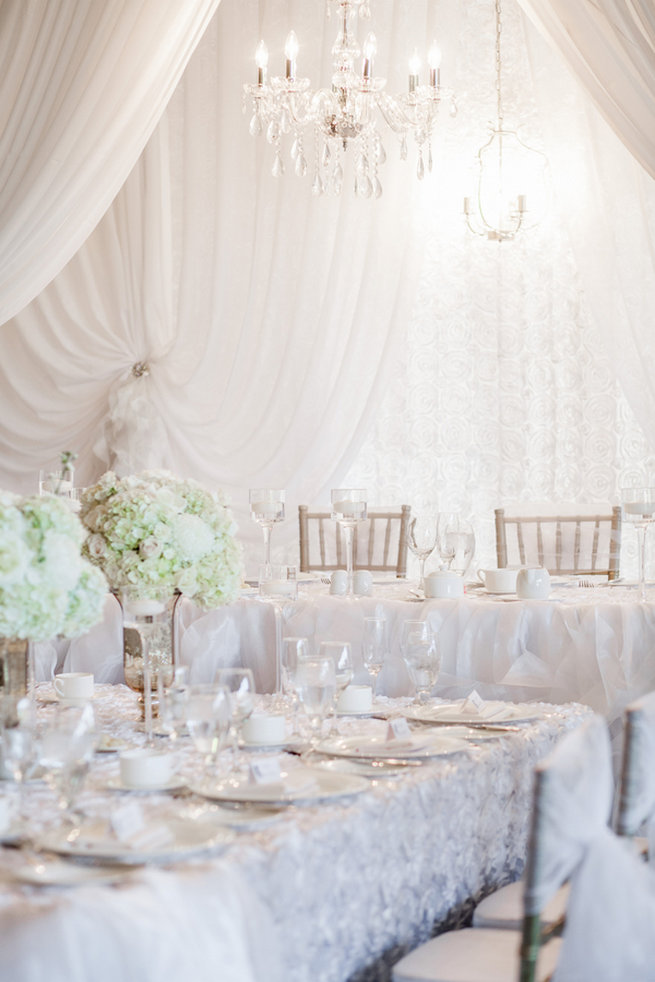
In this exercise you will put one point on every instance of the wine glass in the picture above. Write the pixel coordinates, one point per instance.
(374, 646)
(316, 685)
(293, 651)
(240, 684)
(339, 652)
(267, 508)
(456, 541)
(18, 744)
(348, 508)
(639, 509)
(173, 707)
(422, 539)
(419, 651)
(66, 747)
(207, 715)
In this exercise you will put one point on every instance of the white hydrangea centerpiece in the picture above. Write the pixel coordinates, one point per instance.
(154, 532)
(47, 587)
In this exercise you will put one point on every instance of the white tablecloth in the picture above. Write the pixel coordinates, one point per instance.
(328, 893)
(595, 646)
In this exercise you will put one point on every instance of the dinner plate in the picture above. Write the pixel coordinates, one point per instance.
(492, 714)
(374, 710)
(187, 839)
(175, 783)
(293, 743)
(108, 744)
(304, 785)
(59, 873)
(248, 818)
(420, 746)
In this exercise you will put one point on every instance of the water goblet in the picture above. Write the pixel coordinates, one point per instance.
(18, 745)
(348, 508)
(639, 510)
(339, 652)
(66, 747)
(240, 684)
(374, 647)
(294, 649)
(316, 685)
(456, 541)
(419, 651)
(422, 539)
(207, 715)
(267, 508)
(173, 705)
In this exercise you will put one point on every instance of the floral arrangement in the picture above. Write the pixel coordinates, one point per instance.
(154, 533)
(46, 586)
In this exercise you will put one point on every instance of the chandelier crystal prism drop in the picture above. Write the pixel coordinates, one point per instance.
(511, 189)
(322, 125)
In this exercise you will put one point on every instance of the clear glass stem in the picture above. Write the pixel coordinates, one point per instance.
(641, 554)
(348, 538)
(266, 530)
(147, 692)
(421, 577)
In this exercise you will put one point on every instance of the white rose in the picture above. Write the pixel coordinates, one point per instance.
(150, 548)
(97, 546)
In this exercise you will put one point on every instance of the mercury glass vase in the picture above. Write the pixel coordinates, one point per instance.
(14, 674)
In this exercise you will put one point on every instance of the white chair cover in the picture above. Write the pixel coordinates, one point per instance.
(572, 809)
(637, 802)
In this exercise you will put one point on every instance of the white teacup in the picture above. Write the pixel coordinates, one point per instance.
(265, 730)
(74, 687)
(533, 584)
(499, 580)
(145, 768)
(355, 699)
(339, 582)
(444, 583)
(362, 582)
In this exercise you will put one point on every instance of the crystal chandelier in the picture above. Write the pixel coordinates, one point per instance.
(510, 174)
(345, 116)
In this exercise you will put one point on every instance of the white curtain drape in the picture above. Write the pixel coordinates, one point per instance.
(83, 85)
(267, 318)
(610, 47)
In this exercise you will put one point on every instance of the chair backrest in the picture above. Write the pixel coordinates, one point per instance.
(569, 544)
(379, 543)
(572, 804)
(636, 802)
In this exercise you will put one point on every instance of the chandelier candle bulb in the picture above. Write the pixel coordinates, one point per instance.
(261, 60)
(414, 69)
(369, 50)
(434, 61)
(291, 53)
(523, 203)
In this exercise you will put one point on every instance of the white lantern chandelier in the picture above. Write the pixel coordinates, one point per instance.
(511, 189)
(346, 115)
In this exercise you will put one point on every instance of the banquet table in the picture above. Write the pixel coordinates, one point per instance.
(329, 891)
(594, 645)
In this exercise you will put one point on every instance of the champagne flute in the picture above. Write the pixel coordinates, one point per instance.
(419, 651)
(267, 508)
(374, 647)
(207, 715)
(348, 508)
(422, 539)
(639, 510)
(316, 685)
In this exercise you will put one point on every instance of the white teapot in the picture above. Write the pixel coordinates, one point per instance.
(533, 584)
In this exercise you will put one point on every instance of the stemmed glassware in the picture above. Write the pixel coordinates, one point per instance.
(267, 508)
(339, 652)
(639, 509)
(294, 650)
(66, 748)
(456, 541)
(316, 685)
(420, 652)
(348, 508)
(374, 647)
(207, 713)
(240, 685)
(18, 743)
(422, 538)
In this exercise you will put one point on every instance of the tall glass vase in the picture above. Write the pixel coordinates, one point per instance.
(149, 648)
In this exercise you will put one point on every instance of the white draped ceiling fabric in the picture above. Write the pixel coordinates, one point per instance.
(240, 331)
(83, 86)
